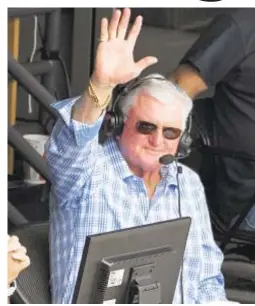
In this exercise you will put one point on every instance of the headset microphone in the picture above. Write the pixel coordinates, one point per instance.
(166, 159)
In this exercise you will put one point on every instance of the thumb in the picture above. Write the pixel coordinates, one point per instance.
(145, 63)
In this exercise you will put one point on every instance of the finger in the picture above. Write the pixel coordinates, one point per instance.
(123, 24)
(145, 63)
(20, 254)
(13, 244)
(22, 264)
(113, 25)
(20, 257)
(135, 30)
(14, 247)
(22, 249)
(13, 238)
(104, 30)
(25, 263)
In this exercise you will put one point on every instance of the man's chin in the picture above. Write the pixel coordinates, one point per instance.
(150, 166)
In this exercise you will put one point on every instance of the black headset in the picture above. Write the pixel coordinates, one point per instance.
(114, 120)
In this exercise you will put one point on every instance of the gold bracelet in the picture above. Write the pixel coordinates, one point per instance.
(95, 98)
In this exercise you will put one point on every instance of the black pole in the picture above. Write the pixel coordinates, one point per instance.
(26, 80)
(52, 34)
(37, 68)
(30, 155)
(15, 216)
(51, 49)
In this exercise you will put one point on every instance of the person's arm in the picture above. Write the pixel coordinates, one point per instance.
(73, 148)
(189, 79)
(70, 152)
(209, 60)
(211, 287)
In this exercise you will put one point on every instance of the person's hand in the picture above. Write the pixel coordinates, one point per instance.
(114, 62)
(17, 258)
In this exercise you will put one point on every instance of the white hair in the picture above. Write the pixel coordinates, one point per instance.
(161, 89)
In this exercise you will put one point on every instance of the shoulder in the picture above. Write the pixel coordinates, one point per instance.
(243, 21)
(189, 175)
(191, 185)
(194, 201)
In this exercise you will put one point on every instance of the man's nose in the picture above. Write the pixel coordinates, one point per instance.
(156, 138)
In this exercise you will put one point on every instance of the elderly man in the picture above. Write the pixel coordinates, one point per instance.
(121, 184)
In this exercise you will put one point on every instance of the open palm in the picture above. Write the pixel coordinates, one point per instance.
(114, 58)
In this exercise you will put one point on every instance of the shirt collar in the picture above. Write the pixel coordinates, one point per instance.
(167, 172)
(117, 160)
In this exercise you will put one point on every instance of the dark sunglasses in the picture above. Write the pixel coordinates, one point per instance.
(147, 128)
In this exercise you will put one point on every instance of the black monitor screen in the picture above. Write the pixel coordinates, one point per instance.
(132, 266)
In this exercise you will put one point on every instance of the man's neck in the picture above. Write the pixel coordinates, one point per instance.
(151, 179)
(146, 175)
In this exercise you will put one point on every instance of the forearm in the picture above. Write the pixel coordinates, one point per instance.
(71, 151)
(69, 167)
(188, 79)
(86, 110)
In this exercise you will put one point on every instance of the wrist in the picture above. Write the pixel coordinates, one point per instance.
(101, 84)
(100, 92)
(100, 98)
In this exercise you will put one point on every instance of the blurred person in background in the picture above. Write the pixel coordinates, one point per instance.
(224, 57)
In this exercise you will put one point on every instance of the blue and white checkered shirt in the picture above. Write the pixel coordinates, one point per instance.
(96, 192)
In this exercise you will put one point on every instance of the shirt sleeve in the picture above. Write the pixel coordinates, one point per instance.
(70, 152)
(212, 286)
(217, 50)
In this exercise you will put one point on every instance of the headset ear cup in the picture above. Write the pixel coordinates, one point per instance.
(118, 121)
(185, 143)
(108, 123)
(184, 148)
(119, 125)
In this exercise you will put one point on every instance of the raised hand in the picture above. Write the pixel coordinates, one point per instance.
(114, 58)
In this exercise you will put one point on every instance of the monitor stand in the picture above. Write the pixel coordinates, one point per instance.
(143, 289)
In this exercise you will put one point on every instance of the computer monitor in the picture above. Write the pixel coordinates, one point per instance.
(138, 265)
